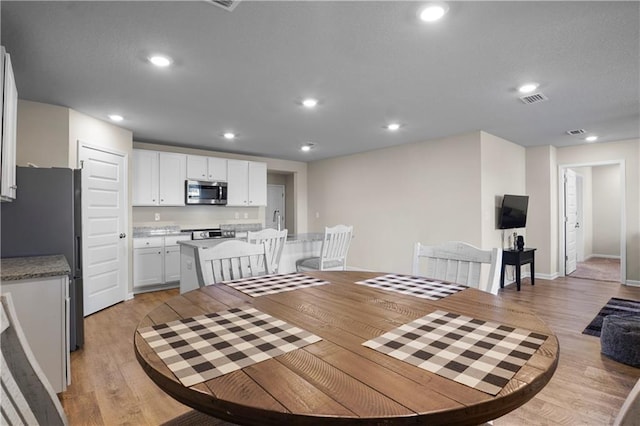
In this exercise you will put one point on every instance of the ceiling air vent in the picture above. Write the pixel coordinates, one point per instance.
(228, 5)
(576, 132)
(533, 99)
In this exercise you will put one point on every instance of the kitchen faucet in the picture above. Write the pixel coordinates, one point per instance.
(277, 216)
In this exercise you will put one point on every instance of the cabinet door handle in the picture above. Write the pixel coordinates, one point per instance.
(123, 235)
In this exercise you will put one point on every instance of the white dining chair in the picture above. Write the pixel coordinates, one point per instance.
(629, 414)
(274, 241)
(333, 254)
(231, 260)
(458, 262)
(27, 395)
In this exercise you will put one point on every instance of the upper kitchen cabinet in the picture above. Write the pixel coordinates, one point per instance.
(247, 183)
(9, 96)
(158, 178)
(209, 169)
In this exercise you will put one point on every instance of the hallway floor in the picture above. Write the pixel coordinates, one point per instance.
(598, 268)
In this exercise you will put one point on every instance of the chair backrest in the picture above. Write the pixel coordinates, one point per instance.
(335, 247)
(629, 414)
(26, 395)
(459, 262)
(231, 260)
(274, 241)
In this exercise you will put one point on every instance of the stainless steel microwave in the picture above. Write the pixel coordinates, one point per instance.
(199, 192)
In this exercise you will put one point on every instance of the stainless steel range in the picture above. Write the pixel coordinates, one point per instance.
(205, 234)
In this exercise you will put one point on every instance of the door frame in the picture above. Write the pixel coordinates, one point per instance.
(127, 294)
(284, 202)
(623, 222)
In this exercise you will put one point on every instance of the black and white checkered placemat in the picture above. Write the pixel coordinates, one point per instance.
(480, 354)
(271, 284)
(414, 286)
(207, 346)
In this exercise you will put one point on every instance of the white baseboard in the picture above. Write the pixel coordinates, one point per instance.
(129, 296)
(633, 283)
(549, 277)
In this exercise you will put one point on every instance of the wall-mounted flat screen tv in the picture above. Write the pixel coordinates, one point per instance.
(513, 213)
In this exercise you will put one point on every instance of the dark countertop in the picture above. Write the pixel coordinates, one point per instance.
(22, 268)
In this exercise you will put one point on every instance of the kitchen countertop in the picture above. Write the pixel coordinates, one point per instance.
(291, 239)
(22, 268)
(156, 231)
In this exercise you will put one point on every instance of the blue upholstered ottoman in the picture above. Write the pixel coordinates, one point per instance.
(620, 338)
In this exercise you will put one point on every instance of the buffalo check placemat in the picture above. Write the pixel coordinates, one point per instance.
(271, 284)
(207, 346)
(414, 286)
(481, 354)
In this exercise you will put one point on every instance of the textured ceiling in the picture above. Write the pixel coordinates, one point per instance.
(369, 62)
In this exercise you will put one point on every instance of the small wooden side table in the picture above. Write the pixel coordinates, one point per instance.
(518, 258)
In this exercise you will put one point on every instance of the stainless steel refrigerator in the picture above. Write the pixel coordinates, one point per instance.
(46, 219)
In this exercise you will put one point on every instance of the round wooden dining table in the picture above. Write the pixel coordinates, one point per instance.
(337, 379)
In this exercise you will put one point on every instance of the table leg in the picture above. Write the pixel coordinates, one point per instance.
(518, 267)
(502, 275)
(533, 270)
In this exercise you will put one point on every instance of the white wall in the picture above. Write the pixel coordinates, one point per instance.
(606, 210)
(42, 135)
(502, 172)
(429, 192)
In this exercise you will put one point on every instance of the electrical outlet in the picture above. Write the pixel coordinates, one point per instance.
(246, 215)
(236, 215)
(317, 215)
(157, 216)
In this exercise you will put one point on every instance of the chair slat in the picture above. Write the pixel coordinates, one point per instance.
(460, 263)
(231, 260)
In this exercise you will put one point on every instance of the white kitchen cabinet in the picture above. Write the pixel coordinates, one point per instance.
(247, 183)
(42, 309)
(145, 178)
(9, 96)
(158, 178)
(173, 173)
(156, 261)
(172, 263)
(147, 266)
(257, 184)
(210, 169)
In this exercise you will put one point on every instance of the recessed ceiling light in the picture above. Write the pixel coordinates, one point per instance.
(160, 60)
(310, 103)
(115, 117)
(393, 126)
(433, 12)
(229, 135)
(528, 87)
(591, 138)
(307, 147)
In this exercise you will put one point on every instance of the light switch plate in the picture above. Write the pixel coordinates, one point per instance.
(157, 216)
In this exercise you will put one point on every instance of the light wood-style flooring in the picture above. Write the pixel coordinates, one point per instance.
(110, 388)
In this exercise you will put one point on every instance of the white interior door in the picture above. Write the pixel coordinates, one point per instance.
(104, 227)
(275, 206)
(579, 219)
(570, 221)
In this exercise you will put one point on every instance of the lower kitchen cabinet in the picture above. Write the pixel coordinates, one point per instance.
(42, 307)
(156, 262)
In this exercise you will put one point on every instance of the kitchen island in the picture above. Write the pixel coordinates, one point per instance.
(297, 247)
